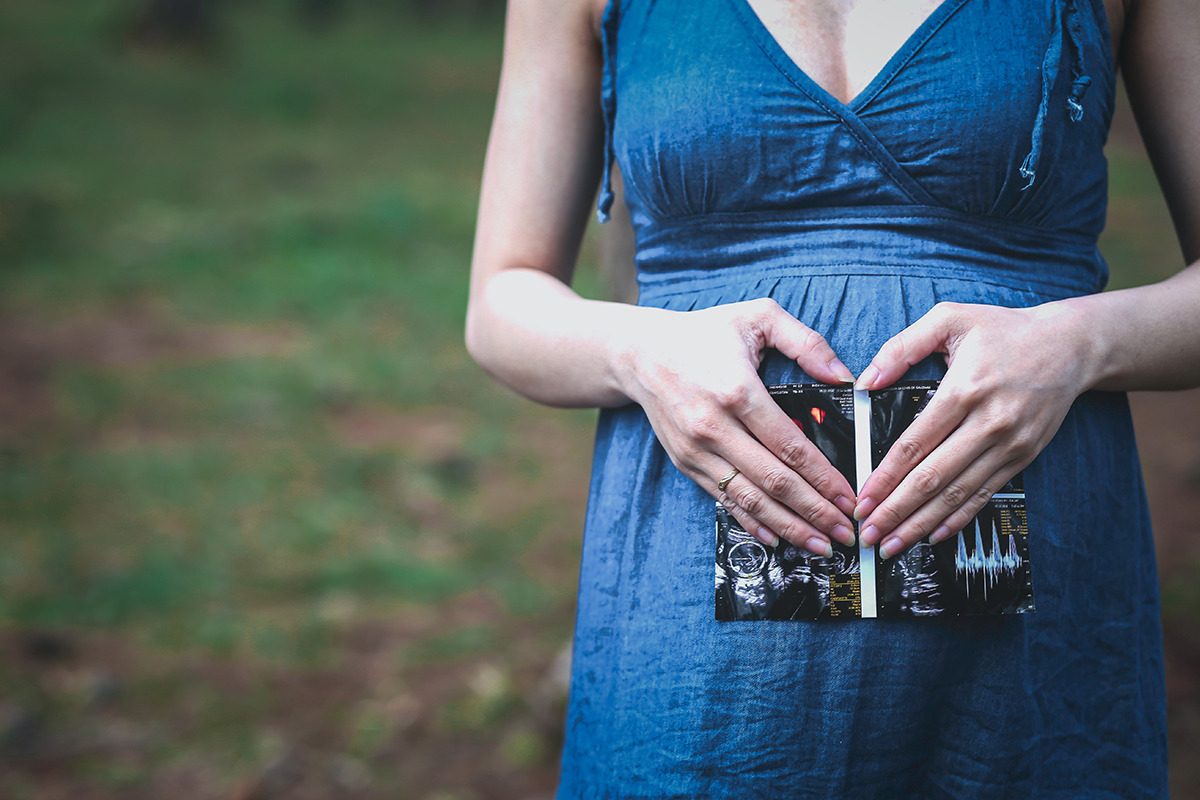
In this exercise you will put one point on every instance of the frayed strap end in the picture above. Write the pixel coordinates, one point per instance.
(1028, 172)
(1075, 100)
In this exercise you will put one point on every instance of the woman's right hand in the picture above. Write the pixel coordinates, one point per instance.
(696, 375)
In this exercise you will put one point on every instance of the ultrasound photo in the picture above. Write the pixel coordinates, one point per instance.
(983, 570)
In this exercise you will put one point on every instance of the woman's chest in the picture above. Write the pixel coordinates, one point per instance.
(714, 114)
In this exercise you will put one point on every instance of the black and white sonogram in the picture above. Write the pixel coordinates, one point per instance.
(784, 582)
(983, 570)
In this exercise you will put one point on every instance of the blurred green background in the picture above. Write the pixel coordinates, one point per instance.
(266, 530)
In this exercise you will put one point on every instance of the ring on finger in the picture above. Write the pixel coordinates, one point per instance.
(724, 482)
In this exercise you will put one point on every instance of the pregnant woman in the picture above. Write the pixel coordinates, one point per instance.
(823, 189)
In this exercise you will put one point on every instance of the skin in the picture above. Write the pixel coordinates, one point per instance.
(1012, 373)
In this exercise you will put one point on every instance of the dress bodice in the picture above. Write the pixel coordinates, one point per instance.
(996, 109)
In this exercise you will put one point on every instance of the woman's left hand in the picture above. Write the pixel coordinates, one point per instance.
(1012, 376)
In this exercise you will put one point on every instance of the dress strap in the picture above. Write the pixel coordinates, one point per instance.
(1072, 31)
(608, 101)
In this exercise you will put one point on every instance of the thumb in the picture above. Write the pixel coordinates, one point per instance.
(932, 333)
(808, 348)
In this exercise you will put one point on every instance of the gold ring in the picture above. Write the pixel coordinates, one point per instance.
(733, 473)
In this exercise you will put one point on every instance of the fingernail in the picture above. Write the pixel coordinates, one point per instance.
(845, 505)
(843, 535)
(868, 378)
(820, 547)
(841, 370)
(766, 537)
(890, 548)
(868, 535)
(864, 508)
(940, 535)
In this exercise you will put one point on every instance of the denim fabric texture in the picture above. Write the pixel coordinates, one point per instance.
(971, 169)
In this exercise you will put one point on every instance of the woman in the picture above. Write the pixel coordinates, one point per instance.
(821, 188)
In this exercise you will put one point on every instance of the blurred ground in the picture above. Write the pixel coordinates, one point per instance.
(268, 532)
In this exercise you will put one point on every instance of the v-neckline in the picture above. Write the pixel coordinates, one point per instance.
(882, 78)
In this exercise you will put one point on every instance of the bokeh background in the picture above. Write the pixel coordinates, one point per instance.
(265, 530)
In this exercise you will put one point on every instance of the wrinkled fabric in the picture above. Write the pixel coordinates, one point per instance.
(745, 180)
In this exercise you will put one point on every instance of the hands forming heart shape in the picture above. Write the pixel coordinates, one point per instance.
(1012, 375)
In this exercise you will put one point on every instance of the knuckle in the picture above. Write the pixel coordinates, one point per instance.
(811, 340)
(700, 425)
(777, 482)
(1024, 441)
(926, 480)
(947, 310)
(749, 500)
(909, 450)
(766, 306)
(733, 398)
(687, 460)
(795, 455)
(969, 393)
(978, 499)
(955, 495)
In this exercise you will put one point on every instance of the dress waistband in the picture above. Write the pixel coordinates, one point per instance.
(695, 253)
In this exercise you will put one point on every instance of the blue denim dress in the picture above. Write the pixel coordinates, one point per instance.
(971, 169)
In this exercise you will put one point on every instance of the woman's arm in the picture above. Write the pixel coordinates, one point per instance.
(1013, 373)
(694, 373)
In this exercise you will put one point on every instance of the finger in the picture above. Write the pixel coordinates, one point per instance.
(798, 533)
(943, 517)
(940, 474)
(782, 502)
(814, 542)
(748, 523)
(941, 417)
(801, 343)
(932, 333)
(768, 423)
(786, 463)
(764, 517)
(790, 480)
(961, 518)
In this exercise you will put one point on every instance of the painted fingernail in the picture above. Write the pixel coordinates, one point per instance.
(843, 535)
(766, 537)
(940, 535)
(890, 548)
(868, 535)
(841, 370)
(868, 378)
(845, 505)
(864, 508)
(819, 547)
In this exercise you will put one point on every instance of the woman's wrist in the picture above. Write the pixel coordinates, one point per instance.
(1073, 326)
(633, 327)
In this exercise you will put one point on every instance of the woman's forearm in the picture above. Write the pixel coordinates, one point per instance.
(1147, 338)
(535, 335)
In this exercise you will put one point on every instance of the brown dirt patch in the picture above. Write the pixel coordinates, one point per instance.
(33, 347)
(431, 433)
(377, 726)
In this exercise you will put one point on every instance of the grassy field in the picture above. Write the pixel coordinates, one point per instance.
(267, 531)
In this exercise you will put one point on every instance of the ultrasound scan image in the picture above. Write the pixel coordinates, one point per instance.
(757, 582)
(983, 570)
